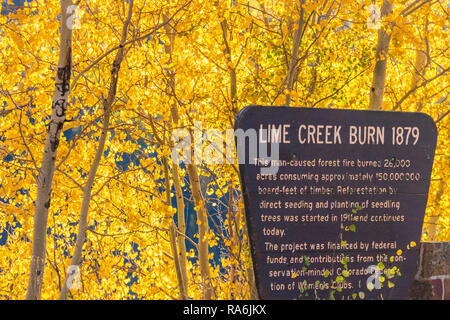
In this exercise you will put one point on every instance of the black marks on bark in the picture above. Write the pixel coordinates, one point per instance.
(60, 107)
(63, 74)
(54, 140)
(54, 144)
(115, 67)
(62, 87)
(68, 63)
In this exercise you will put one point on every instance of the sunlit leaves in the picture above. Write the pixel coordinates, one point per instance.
(129, 217)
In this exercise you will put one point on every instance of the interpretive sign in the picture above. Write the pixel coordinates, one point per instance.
(334, 199)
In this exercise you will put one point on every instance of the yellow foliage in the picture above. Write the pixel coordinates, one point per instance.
(128, 224)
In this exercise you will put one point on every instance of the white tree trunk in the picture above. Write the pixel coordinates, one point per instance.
(173, 235)
(180, 251)
(292, 73)
(46, 172)
(181, 224)
(379, 72)
(202, 222)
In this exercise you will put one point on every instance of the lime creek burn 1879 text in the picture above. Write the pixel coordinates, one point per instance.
(333, 134)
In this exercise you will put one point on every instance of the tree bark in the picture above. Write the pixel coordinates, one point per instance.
(379, 72)
(181, 223)
(175, 118)
(433, 230)
(233, 242)
(250, 268)
(420, 64)
(292, 73)
(46, 172)
(173, 235)
(202, 222)
(107, 107)
(231, 68)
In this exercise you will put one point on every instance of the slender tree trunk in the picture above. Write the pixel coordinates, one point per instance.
(173, 236)
(232, 244)
(420, 64)
(202, 222)
(46, 172)
(82, 226)
(379, 72)
(234, 239)
(250, 268)
(181, 223)
(231, 68)
(176, 258)
(107, 107)
(179, 245)
(180, 241)
(292, 72)
(433, 220)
